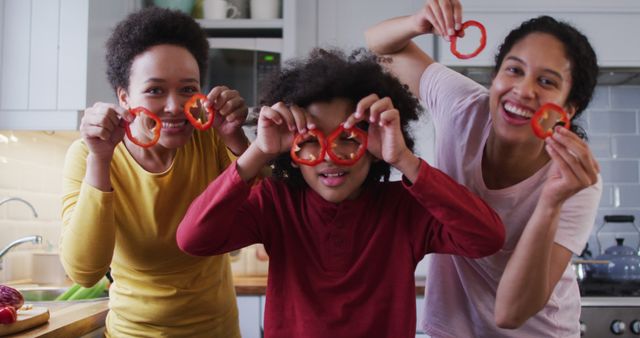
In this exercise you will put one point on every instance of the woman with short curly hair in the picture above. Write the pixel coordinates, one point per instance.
(124, 196)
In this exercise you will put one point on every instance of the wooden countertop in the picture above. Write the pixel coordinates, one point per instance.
(69, 319)
(73, 319)
(257, 285)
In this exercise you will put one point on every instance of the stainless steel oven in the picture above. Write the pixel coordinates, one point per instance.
(610, 287)
(604, 317)
(242, 64)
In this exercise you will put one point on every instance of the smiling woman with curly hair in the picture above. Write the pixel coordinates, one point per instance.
(123, 199)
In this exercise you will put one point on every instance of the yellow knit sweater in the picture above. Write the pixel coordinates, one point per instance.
(159, 291)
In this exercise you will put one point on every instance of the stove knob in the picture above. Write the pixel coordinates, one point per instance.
(583, 328)
(618, 327)
(635, 327)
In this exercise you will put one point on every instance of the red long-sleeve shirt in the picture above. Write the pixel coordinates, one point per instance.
(346, 269)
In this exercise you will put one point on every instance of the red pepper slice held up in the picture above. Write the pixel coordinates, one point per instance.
(203, 119)
(137, 112)
(345, 146)
(308, 148)
(483, 40)
(547, 112)
(349, 150)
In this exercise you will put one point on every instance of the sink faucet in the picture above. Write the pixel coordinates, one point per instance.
(18, 199)
(36, 239)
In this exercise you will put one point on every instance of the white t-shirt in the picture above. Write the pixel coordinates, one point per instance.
(460, 293)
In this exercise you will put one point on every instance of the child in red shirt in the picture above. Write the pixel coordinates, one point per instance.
(343, 241)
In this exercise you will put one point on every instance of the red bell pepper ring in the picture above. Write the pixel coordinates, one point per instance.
(197, 101)
(543, 114)
(483, 40)
(156, 130)
(354, 133)
(299, 139)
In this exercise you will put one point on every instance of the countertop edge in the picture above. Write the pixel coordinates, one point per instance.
(69, 320)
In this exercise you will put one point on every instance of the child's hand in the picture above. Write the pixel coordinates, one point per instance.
(385, 139)
(440, 17)
(573, 167)
(277, 126)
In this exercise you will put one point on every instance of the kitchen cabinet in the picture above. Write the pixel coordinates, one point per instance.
(607, 24)
(250, 310)
(343, 23)
(52, 60)
(419, 312)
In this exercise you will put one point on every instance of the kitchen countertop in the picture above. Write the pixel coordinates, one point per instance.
(610, 301)
(257, 285)
(69, 319)
(73, 319)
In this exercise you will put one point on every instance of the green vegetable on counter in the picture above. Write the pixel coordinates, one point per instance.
(77, 292)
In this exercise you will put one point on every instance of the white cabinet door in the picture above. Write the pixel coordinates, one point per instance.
(14, 73)
(72, 79)
(43, 56)
(343, 23)
(249, 311)
(419, 313)
(52, 61)
(607, 25)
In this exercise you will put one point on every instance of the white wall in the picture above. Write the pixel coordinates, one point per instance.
(30, 168)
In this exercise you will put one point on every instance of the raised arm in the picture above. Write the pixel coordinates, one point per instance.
(392, 38)
(88, 221)
(228, 214)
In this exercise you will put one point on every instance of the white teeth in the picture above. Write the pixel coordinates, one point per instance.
(170, 125)
(511, 108)
(334, 175)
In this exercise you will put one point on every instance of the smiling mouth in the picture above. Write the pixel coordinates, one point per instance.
(519, 112)
(340, 174)
(173, 124)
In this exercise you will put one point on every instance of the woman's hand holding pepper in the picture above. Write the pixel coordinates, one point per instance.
(231, 112)
(102, 128)
(440, 17)
(573, 167)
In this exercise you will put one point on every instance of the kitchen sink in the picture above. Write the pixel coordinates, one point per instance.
(49, 294)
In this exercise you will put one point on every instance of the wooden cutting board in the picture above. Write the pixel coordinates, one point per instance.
(26, 320)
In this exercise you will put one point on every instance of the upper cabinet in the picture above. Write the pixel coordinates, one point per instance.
(343, 23)
(52, 62)
(609, 25)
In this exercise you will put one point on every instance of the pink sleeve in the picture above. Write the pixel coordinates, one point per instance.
(225, 216)
(577, 218)
(467, 225)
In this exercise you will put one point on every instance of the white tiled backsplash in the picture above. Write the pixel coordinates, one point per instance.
(613, 125)
(30, 168)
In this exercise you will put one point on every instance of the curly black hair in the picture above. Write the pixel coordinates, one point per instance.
(584, 63)
(328, 74)
(148, 27)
